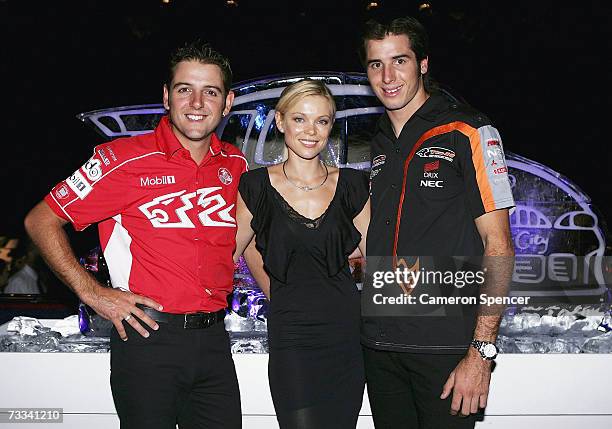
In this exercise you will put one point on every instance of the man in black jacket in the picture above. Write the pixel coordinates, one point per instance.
(439, 189)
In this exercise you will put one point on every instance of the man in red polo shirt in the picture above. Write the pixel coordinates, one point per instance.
(165, 207)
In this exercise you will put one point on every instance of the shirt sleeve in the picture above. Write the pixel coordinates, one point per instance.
(94, 192)
(486, 172)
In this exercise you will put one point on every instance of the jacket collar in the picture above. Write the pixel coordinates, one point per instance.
(429, 111)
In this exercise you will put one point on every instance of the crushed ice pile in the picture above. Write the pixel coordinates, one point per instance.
(545, 329)
(26, 334)
(555, 329)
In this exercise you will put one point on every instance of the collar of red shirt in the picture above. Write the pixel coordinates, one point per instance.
(169, 144)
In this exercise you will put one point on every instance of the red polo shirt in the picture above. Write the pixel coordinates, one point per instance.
(167, 225)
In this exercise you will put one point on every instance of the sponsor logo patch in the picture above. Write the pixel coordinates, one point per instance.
(79, 185)
(495, 153)
(377, 164)
(102, 154)
(378, 160)
(93, 169)
(62, 192)
(432, 184)
(225, 176)
(437, 152)
(431, 166)
(157, 180)
(495, 159)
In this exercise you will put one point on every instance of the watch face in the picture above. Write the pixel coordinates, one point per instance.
(489, 350)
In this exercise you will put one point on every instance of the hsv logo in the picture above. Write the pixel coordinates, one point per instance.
(157, 180)
(431, 166)
(160, 215)
(437, 152)
(225, 176)
(62, 192)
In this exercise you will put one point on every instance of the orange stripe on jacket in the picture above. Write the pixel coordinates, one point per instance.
(481, 173)
(480, 165)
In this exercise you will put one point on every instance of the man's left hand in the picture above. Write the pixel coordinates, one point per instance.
(469, 384)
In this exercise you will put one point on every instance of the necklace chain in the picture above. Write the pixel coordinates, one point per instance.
(307, 187)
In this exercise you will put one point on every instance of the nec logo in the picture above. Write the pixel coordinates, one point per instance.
(432, 183)
(171, 210)
(159, 180)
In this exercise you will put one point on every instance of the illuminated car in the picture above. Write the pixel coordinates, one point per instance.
(558, 238)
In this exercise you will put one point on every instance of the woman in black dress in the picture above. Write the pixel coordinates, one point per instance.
(307, 218)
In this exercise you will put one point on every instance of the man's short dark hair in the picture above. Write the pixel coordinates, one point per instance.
(202, 52)
(408, 26)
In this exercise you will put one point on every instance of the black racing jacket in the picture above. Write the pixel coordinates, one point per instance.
(445, 169)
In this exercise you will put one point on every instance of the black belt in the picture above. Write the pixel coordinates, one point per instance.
(198, 320)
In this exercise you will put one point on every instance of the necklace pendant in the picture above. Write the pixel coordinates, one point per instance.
(307, 187)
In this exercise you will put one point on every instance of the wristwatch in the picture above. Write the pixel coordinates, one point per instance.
(487, 349)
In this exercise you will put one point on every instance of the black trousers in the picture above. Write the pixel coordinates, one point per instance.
(176, 376)
(404, 390)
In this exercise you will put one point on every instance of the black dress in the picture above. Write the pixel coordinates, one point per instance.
(315, 366)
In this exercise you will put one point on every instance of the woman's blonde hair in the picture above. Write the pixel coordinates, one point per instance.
(303, 88)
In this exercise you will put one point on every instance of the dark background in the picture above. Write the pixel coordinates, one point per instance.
(538, 69)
